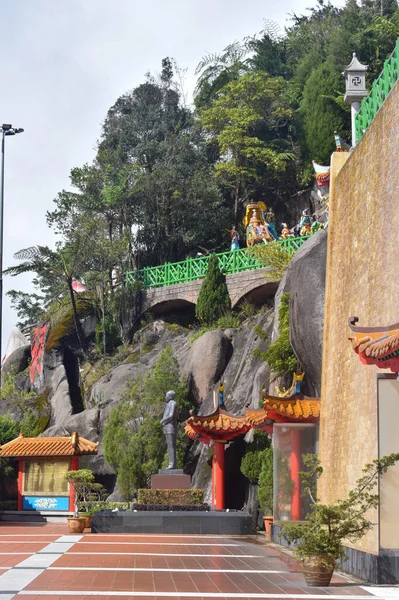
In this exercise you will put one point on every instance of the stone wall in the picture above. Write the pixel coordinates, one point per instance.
(362, 280)
(238, 284)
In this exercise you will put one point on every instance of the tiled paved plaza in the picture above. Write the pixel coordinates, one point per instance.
(44, 562)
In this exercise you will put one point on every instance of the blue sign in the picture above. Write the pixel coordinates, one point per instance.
(45, 503)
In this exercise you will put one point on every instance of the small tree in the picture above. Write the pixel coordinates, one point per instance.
(265, 490)
(328, 525)
(213, 300)
(83, 483)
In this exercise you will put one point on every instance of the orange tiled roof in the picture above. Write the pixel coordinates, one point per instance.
(294, 408)
(376, 345)
(221, 425)
(48, 446)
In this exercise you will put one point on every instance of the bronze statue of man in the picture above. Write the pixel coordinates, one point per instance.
(169, 423)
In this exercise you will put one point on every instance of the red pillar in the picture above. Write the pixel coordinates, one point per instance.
(74, 466)
(295, 468)
(219, 468)
(20, 482)
(213, 463)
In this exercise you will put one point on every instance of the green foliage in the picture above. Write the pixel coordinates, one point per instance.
(280, 356)
(265, 490)
(66, 325)
(29, 307)
(213, 300)
(112, 337)
(191, 496)
(8, 505)
(86, 490)
(274, 257)
(329, 525)
(96, 505)
(8, 429)
(251, 463)
(30, 410)
(134, 443)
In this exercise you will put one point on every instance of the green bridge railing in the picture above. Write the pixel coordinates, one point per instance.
(379, 92)
(196, 268)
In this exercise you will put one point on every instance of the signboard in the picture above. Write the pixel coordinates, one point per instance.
(45, 503)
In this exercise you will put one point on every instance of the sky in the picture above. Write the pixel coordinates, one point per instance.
(64, 63)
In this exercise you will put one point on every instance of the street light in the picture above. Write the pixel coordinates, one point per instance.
(6, 129)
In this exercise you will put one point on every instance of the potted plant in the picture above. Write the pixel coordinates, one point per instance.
(319, 542)
(82, 482)
(265, 491)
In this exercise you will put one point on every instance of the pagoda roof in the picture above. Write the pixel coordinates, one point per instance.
(376, 345)
(36, 447)
(296, 409)
(223, 426)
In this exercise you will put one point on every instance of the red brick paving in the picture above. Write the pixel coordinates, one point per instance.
(246, 555)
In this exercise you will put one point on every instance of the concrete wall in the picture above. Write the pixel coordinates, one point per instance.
(362, 280)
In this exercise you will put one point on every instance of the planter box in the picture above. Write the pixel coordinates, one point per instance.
(196, 522)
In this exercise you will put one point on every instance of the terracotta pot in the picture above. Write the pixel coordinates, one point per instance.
(87, 518)
(76, 524)
(268, 522)
(317, 574)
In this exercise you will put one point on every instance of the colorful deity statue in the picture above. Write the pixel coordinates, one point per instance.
(316, 224)
(305, 224)
(270, 224)
(285, 232)
(255, 225)
(234, 239)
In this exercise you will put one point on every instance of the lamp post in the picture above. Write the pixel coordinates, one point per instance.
(355, 89)
(6, 129)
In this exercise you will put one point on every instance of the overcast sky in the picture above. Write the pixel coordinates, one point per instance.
(65, 62)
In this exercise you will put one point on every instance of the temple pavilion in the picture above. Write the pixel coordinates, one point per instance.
(42, 465)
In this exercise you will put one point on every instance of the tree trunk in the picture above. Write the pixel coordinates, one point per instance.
(78, 325)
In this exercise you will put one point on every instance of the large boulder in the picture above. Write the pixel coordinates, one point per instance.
(304, 280)
(17, 361)
(206, 362)
(15, 341)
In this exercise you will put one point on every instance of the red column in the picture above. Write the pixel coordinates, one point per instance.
(213, 463)
(20, 482)
(219, 468)
(74, 466)
(296, 480)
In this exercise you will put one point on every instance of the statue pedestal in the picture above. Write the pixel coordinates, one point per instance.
(170, 479)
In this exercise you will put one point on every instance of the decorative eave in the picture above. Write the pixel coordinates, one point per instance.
(23, 447)
(223, 426)
(376, 345)
(295, 409)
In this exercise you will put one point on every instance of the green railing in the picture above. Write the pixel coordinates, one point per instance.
(379, 92)
(196, 268)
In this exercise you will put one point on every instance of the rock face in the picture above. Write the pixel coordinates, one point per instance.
(304, 280)
(18, 360)
(227, 354)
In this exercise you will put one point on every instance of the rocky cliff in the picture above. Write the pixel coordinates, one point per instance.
(227, 353)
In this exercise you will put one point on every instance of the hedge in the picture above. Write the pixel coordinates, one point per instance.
(103, 504)
(190, 496)
(9, 505)
(185, 507)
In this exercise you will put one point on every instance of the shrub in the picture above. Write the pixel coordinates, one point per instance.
(9, 505)
(185, 507)
(163, 497)
(265, 490)
(213, 300)
(274, 257)
(103, 505)
(112, 337)
(280, 355)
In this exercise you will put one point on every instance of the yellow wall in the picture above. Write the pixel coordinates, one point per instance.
(362, 281)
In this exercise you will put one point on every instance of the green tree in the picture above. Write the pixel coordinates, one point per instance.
(134, 443)
(213, 300)
(280, 355)
(29, 307)
(59, 268)
(8, 432)
(265, 490)
(246, 119)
